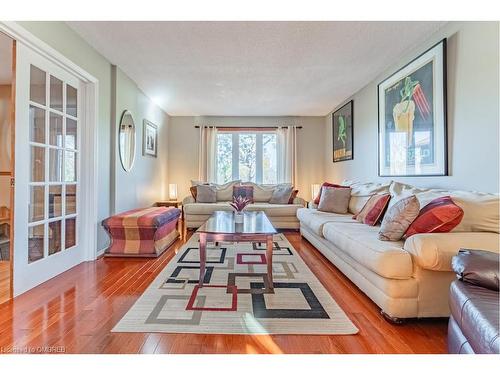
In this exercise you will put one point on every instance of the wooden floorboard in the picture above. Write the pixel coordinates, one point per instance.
(4, 280)
(76, 311)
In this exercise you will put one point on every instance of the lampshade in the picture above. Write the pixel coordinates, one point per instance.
(172, 192)
(315, 190)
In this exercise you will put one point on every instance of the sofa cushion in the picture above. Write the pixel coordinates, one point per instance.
(434, 251)
(315, 219)
(271, 210)
(481, 210)
(224, 191)
(476, 311)
(361, 193)
(360, 242)
(275, 209)
(264, 192)
(400, 191)
(206, 208)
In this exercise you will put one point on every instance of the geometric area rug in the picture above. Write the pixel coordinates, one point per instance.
(236, 298)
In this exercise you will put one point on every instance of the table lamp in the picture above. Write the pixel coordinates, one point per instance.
(172, 192)
(315, 190)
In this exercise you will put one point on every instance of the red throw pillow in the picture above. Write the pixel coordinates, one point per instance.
(328, 184)
(244, 191)
(193, 191)
(373, 210)
(440, 216)
(293, 196)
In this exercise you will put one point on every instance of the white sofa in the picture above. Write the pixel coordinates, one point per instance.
(407, 279)
(282, 216)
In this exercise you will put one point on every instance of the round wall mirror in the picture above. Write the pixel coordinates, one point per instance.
(127, 140)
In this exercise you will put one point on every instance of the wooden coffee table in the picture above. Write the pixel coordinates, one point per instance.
(220, 227)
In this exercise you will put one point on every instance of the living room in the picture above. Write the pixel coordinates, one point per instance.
(301, 186)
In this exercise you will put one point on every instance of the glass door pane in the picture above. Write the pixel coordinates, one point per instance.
(53, 136)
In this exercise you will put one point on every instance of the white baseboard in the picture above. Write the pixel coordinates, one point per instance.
(101, 252)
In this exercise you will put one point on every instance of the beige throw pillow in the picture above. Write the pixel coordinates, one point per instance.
(281, 195)
(398, 218)
(224, 192)
(206, 194)
(334, 200)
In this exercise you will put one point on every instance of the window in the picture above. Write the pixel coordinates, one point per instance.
(247, 156)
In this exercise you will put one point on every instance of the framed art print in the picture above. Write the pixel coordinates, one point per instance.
(412, 117)
(150, 139)
(342, 130)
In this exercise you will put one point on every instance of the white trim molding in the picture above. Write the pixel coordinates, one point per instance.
(21, 35)
(90, 120)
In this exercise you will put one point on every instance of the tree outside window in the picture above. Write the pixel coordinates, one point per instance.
(247, 156)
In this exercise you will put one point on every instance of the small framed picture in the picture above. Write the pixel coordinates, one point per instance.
(342, 124)
(412, 117)
(149, 139)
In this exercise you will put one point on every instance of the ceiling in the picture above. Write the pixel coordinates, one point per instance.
(253, 68)
(5, 60)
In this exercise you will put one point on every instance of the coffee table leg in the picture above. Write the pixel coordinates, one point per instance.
(269, 257)
(203, 257)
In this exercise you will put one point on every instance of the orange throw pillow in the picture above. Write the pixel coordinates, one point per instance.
(440, 216)
(373, 210)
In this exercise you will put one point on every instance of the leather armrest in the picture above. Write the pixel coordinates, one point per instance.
(477, 267)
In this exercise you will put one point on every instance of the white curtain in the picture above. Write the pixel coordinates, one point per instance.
(207, 152)
(287, 154)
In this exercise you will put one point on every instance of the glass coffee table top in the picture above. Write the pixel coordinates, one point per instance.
(254, 222)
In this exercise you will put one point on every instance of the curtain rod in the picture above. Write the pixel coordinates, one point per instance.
(245, 127)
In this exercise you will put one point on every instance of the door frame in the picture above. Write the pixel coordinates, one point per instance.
(90, 119)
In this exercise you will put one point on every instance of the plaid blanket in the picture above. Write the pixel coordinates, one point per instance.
(145, 231)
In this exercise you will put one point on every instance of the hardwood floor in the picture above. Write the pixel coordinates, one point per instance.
(4, 281)
(75, 312)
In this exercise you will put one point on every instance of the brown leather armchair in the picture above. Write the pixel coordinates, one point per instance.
(474, 303)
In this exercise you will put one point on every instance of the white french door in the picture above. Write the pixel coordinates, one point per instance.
(48, 179)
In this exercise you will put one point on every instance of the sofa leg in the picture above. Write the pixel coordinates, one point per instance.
(392, 319)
